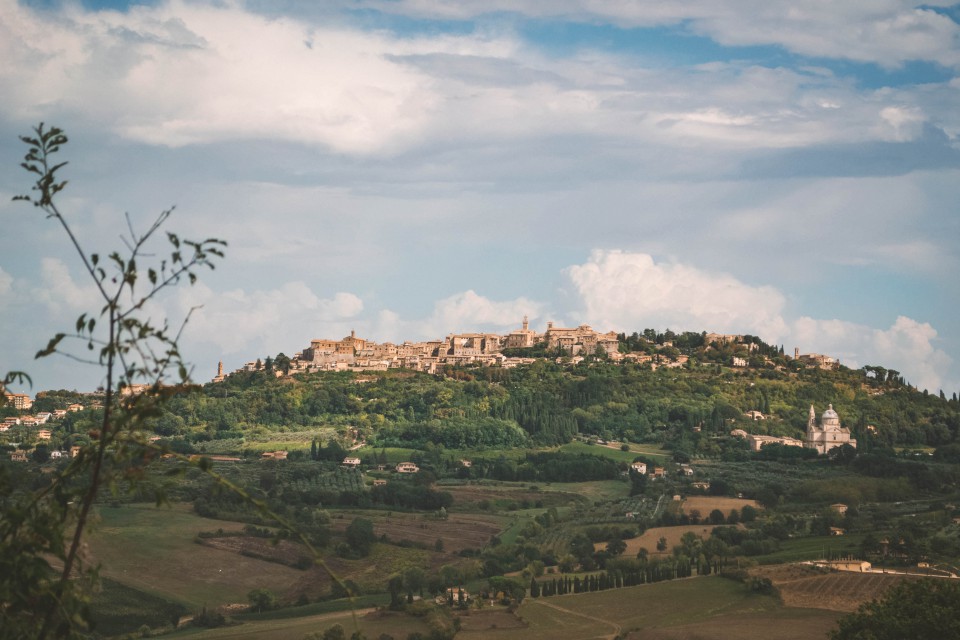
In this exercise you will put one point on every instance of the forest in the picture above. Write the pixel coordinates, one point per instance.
(689, 409)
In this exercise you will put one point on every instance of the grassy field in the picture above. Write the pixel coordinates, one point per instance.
(496, 496)
(613, 451)
(457, 531)
(654, 611)
(153, 550)
(371, 623)
(682, 609)
(116, 608)
(598, 490)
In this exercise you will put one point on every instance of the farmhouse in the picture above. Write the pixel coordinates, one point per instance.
(351, 462)
(407, 467)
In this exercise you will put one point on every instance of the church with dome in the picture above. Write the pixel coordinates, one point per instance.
(828, 434)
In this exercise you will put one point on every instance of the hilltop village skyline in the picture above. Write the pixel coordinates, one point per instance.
(353, 353)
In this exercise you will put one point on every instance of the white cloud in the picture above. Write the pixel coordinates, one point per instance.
(6, 282)
(183, 73)
(889, 32)
(464, 312)
(630, 291)
(60, 293)
(908, 346)
(249, 322)
(468, 311)
(623, 290)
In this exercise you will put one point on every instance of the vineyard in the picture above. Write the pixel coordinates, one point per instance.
(811, 587)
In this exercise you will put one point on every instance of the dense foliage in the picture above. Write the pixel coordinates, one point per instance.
(547, 403)
(922, 610)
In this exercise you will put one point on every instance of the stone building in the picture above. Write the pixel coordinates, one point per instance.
(828, 434)
(522, 338)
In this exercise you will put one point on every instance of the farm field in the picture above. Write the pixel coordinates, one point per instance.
(458, 531)
(597, 490)
(814, 548)
(503, 496)
(807, 586)
(648, 540)
(782, 624)
(654, 609)
(607, 451)
(713, 608)
(371, 623)
(152, 549)
(706, 504)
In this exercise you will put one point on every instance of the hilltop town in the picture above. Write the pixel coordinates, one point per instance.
(523, 346)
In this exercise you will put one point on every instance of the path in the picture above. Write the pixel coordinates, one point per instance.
(616, 627)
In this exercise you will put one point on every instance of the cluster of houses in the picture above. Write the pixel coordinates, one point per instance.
(353, 353)
(36, 421)
(358, 354)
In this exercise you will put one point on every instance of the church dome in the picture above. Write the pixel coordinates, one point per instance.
(830, 418)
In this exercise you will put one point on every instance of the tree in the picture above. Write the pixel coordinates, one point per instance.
(261, 599)
(360, 536)
(927, 609)
(616, 546)
(534, 588)
(37, 526)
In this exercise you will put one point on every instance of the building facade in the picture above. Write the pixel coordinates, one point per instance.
(828, 434)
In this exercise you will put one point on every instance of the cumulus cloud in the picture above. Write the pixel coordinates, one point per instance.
(463, 312)
(60, 293)
(182, 73)
(468, 311)
(244, 322)
(908, 346)
(620, 289)
(631, 291)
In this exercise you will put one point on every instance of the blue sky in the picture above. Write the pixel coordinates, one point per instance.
(411, 168)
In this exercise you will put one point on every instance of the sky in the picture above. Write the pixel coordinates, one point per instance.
(408, 169)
